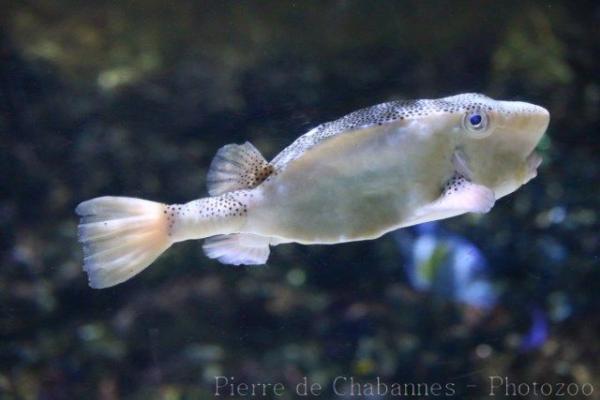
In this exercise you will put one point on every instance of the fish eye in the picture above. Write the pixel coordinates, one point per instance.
(476, 122)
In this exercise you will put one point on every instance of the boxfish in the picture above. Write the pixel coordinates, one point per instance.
(375, 170)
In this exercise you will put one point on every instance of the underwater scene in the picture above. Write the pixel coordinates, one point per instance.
(263, 239)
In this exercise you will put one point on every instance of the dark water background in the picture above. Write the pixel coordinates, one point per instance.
(134, 98)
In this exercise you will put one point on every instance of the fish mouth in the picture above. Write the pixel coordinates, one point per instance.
(533, 161)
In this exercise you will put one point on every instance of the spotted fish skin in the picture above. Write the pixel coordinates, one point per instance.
(380, 115)
(374, 170)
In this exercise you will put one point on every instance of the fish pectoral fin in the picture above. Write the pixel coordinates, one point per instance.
(460, 195)
(238, 248)
(236, 167)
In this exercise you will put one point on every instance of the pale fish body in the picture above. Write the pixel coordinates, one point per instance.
(375, 170)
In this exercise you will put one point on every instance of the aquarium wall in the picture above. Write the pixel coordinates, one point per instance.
(135, 98)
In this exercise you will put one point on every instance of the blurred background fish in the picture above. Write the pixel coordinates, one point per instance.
(447, 265)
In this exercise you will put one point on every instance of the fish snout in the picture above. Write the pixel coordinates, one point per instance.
(519, 110)
(522, 124)
(541, 116)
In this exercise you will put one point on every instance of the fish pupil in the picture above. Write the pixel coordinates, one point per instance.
(475, 119)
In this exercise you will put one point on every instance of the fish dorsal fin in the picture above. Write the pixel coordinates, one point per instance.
(235, 167)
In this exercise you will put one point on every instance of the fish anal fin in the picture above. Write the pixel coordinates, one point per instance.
(238, 248)
(237, 167)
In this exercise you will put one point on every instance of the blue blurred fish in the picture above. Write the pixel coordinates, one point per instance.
(447, 265)
(538, 332)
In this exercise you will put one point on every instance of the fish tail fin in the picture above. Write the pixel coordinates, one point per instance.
(121, 236)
